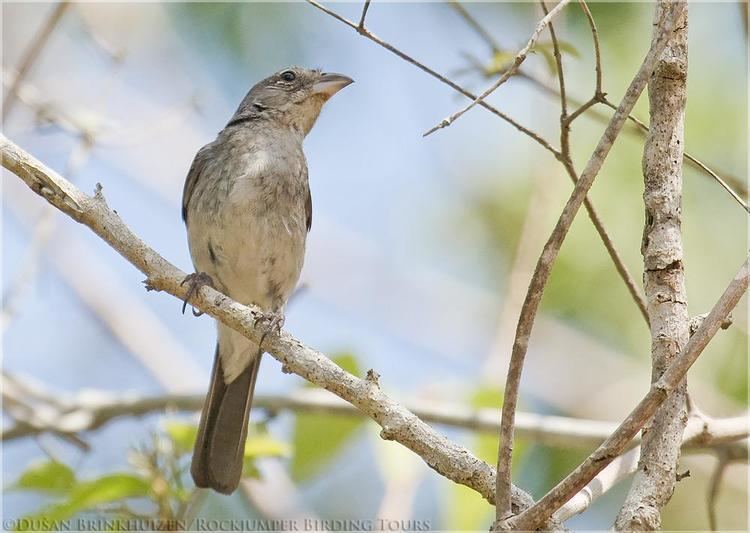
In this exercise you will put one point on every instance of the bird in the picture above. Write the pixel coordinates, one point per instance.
(247, 208)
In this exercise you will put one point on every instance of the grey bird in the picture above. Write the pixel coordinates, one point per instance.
(247, 207)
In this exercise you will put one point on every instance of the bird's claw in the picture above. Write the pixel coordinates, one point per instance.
(195, 281)
(274, 323)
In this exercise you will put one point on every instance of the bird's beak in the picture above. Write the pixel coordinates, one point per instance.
(329, 83)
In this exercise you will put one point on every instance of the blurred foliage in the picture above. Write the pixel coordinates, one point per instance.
(502, 59)
(157, 489)
(589, 293)
(76, 496)
(318, 437)
(238, 29)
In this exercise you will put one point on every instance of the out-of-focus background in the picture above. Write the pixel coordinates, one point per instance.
(420, 251)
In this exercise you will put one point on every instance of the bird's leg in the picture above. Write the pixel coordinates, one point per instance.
(195, 281)
(274, 323)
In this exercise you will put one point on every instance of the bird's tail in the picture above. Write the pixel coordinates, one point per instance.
(219, 447)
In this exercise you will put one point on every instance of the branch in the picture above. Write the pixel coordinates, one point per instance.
(664, 280)
(89, 410)
(548, 256)
(520, 58)
(448, 459)
(65, 415)
(658, 393)
(32, 54)
(478, 28)
(365, 7)
(725, 456)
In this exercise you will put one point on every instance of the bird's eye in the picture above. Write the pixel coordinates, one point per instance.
(288, 75)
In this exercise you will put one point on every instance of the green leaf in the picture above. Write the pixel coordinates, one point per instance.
(46, 476)
(488, 397)
(319, 437)
(183, 435)
(500, 61)
(567, 48)
(86, 496)
(109, 488)
(547, 50)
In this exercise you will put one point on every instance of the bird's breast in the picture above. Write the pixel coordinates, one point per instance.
(251, 229)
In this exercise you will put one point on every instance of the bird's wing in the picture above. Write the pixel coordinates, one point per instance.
(199, 163)
(308, 209)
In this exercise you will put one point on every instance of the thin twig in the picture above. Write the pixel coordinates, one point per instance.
(32, 54)
(361, 24)
(560, 79)
(597, 51)
(445, 457)
(453, 85)
(713, 490)
(546, 260)
(726, 455)
(520, 58)
(598, 93)
(475, 25)
(658, 393)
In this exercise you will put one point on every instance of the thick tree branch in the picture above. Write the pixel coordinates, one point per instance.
(549, 254)
(448, 459)
(664, 280)
(660, 391)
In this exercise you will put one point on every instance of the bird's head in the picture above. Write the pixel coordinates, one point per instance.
(293, 97)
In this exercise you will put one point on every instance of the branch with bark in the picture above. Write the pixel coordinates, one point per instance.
(664, 280)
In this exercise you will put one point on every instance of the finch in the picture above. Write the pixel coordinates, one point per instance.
(247, 208)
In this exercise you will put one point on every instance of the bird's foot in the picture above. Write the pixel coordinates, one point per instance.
(195, 281)
(273, 323)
